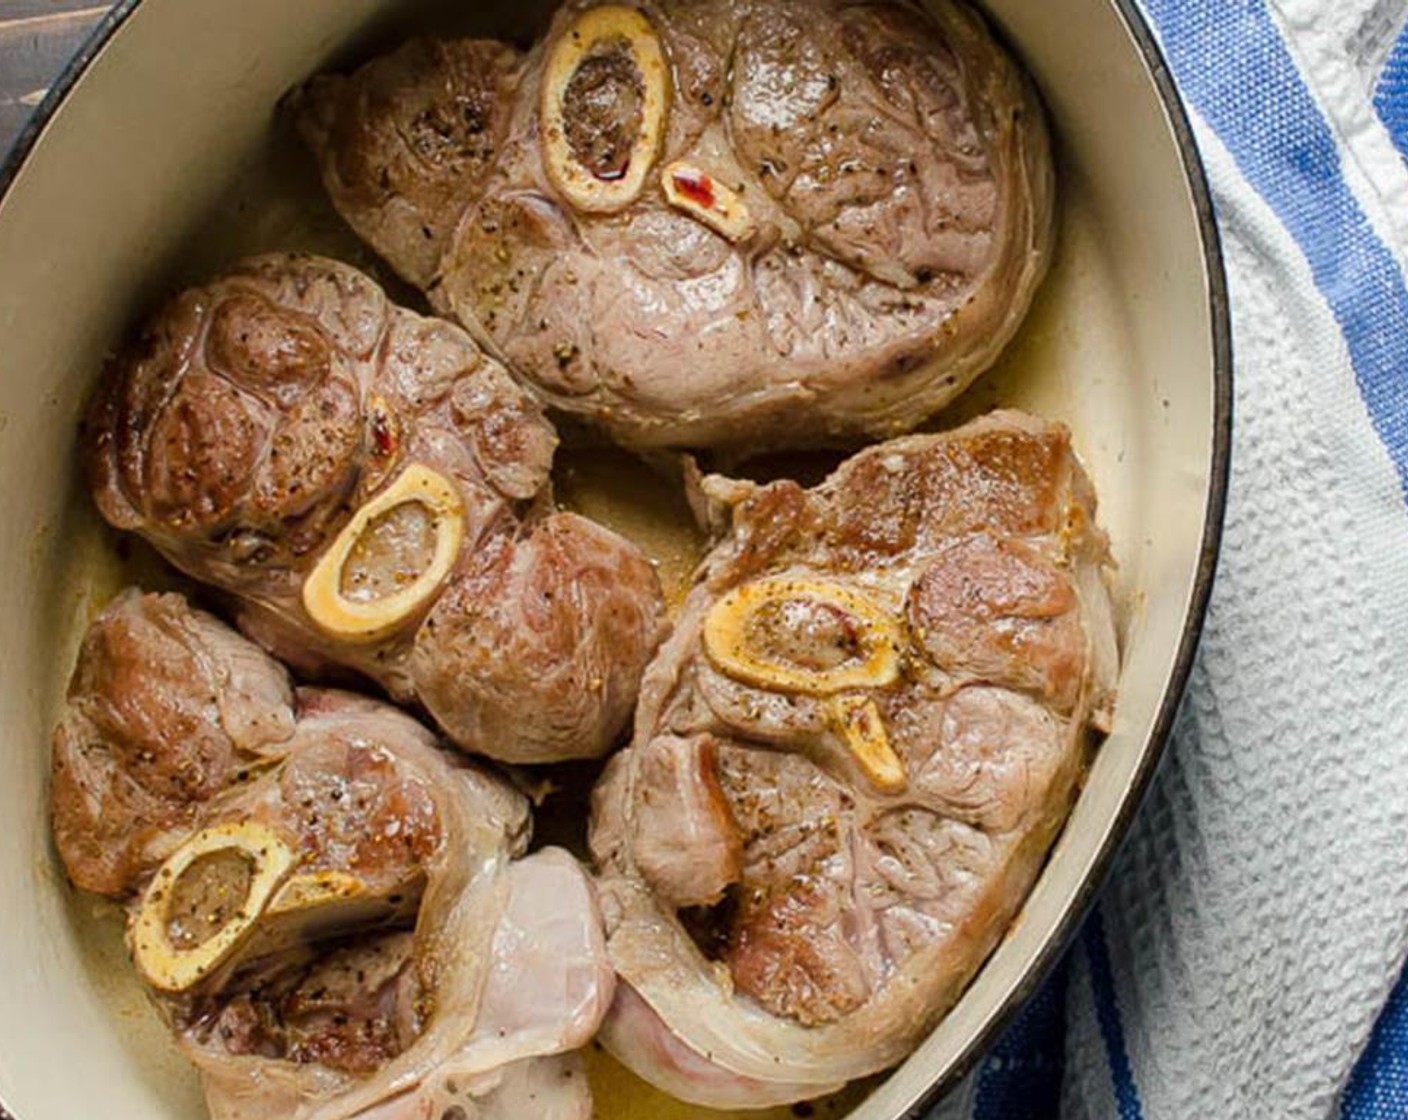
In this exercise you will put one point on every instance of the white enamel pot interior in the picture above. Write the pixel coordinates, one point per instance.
(160, 157)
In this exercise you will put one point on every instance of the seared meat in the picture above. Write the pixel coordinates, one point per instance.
(375, 491)
(868, 725)
(542, 641)
(340, 927)
(167, 711)
(710, 222)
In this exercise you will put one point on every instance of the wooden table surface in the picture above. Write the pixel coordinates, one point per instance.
(37, 39)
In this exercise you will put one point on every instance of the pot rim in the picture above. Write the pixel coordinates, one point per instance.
(1214, 510)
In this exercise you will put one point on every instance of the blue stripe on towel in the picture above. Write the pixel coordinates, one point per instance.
(1378, 1088)
(1391, 94)
(1107, 1011)
(1021, 1078)
(1230, 62)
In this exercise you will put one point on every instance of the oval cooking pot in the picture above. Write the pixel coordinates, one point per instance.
(159, 157)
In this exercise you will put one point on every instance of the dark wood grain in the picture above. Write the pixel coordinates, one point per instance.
(25, 9)
(37, 39)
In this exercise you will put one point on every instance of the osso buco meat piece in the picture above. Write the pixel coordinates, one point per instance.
(376, 494)
(327, 909)
(850, 760)
(737, 222)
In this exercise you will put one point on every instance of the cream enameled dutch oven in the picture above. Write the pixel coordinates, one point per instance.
(160, 156)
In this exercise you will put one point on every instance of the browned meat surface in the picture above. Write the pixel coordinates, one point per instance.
(375, 491)
(869, 724)
(341, 925)
(351, 1009)
(542, 641)
(167, 711)
(710, 222)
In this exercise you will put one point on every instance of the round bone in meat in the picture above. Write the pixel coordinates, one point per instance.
(238, 866)
(606, 99)
(366, 482)
(870, 742)
(364, 611)
(746, 223)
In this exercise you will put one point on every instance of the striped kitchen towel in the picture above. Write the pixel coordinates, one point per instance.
(1244, 960)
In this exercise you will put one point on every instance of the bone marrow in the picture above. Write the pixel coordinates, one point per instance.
(696, 192)
(605, 106)
(418, 524)
(862, 728)
(810, 636)
(204, 903)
